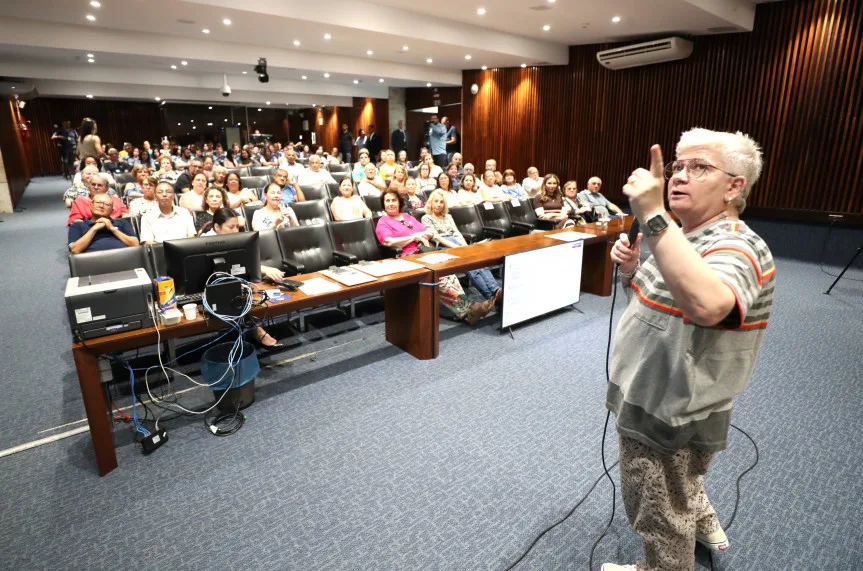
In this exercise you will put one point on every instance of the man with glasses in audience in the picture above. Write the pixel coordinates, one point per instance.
(184, 181)
(81, 189)
(81, 206)
(291, 191)
(437, 141)
(532, 183)
(114, 165)
(290, 165)
(315, 174)
(168, 221)
(101, 232)
(593, 198)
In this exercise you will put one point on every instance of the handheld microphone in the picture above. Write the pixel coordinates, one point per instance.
(633, 232)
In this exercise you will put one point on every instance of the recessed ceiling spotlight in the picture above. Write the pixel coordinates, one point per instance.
(356, 82)
(158, 99)
(95, 4)
(326, 75)
(91, 60)
(178, 124)
(89, 96)
(551, 1)
(405, 48)
(210, 107)
(209, 124)
(428, 84)
(314, 104)
(90, 55)
(297, 43)
(245, 73)
(467, 57)
(327, 36)
(429, 60)
(91, 17)
(616, 19)
(480, 11)
(206, 30)
(370, 53)
(546, 28)
(268, 102)
(195, 127)
(381, 80)
(305, 77)
(184, 62)
(226, 120)
(173, 67)
(192, 121)
(485, 67)
(259, 108)
(524, 65)
(226, 22)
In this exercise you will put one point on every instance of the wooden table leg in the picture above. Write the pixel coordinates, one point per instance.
(98, 415)
(596, 269)
(413, 319)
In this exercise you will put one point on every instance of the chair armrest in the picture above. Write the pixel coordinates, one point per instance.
(493, 233)
(522, 227)
(390, 252)
(293, 267)
(545, 224)
(344, 258)
(469, 237)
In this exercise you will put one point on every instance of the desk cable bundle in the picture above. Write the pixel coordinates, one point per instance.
(633, 233)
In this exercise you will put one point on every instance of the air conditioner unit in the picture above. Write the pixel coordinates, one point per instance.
(657, 51)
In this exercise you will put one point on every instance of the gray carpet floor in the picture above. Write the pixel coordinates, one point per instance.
(357, 456)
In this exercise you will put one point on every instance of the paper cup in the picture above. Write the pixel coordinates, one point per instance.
(190, 310)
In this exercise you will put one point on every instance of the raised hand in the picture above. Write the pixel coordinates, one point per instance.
(646, 188)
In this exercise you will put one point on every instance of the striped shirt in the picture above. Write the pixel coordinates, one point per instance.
(672, 381)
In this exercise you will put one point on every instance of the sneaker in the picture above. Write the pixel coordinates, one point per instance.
(614, 567)
(714, 541)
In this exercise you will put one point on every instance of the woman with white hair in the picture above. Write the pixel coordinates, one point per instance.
(686, 345)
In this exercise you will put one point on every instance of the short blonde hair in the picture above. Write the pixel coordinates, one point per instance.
(438, 193)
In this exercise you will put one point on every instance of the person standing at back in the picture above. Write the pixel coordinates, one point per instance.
(67, 143)
(437, 141)
(453, 140)
(89, 145)
(399, 138)
(373, 144)
(346, 144)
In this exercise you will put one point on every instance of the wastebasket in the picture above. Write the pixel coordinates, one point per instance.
(215, 363)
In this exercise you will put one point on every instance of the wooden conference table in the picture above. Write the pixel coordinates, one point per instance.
(412, 314)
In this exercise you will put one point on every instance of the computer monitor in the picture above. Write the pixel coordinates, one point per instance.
(190, 261)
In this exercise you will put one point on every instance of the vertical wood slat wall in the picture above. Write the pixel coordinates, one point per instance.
(118, 121)
(14, 149)
(794, 84)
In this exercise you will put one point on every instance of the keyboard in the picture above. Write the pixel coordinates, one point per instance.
(189, 298)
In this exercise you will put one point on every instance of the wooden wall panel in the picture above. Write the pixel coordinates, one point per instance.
(794, 84)
(14, 149)
(369, 111)
(118, 121)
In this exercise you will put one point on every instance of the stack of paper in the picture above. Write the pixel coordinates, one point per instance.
(437, 258)
(570, 236)
(316, 286)
(348, 276)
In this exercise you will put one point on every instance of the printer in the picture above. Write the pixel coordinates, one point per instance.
(109, 303)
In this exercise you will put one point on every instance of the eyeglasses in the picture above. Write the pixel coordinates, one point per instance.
(695, 169)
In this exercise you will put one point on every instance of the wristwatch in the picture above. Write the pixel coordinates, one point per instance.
(656, 224)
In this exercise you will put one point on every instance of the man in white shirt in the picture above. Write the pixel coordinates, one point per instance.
(315, 174)
(532, 183)
(372, 184)
(168, 221)
(290, 164)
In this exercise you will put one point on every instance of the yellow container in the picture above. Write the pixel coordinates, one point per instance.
(167, 293)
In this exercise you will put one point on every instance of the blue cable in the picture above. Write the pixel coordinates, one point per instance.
(137, 424)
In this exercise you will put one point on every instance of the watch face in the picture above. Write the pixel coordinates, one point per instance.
(657, 223)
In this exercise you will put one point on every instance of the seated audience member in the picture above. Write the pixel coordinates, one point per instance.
(593, 198)
(100, 232)
(454, 175)
(399, 229)
(572, 202)
(389, 165)
(424, 152)
(90, 161)
(236, 196)
(246, 159)
(184, 180)
(532, 183)
(290, 165)
(220, 176)
(445, 185)
(491, 165)
(166, 172)
(219, 153)
(347, 205)
(133, 189)
(273, 214)
(291, 191)
(194, 199)
(489, 190)
(371, 185)
(335, 157)
(143, 158)
(82, 188)
(164, 147)
(457, 160)
(226, 221)
(510, 186)
(214, 199)
(359, 172)
(468, 169)
(412, 200)
(80, 209)
(425, 181)
(446, 234)
(549, 203)
(315, 174)
(182, 161)
(147, 148)
(307, 152)
(147, 201)
(435, 169)
(402, 159)
(400, 176)
(469, 192)
(168, 221)
(208, 165)
(114, 165)
(267, 159)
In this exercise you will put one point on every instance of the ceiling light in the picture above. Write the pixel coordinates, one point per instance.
(209, 124)
(268, 102)
(226, 120)
(90, 55)
(480, 11)
(326, 75)
(405, 48)
(327, 36)
(193, 121)
(524, 65)
(616, 19)
(178, 124)
(546, 28)
(381, 80)
(206, 30)
(356, 82)
(89, 96)
(428, 84)
(485, 67)
(173, 67)
(551, 1)
(467, 57)
(210, 107)
(304, 77)
(13, 87)
(245, 72)
(259, 108)
(184, 62)
(195, 127)
(297, 43)
(91, 17)
(314, 105)
(370, 53)
(429, 60)
(95, 4)
(91, 60)
(158, 99)
(226, 22)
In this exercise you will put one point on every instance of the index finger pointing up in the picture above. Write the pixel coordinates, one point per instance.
(657, 166)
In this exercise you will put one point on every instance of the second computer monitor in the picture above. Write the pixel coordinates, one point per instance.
(191, 261)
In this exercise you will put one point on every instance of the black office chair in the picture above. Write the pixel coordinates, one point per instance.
(122, 178)
(311, 212)
(469, 223)
(304, 162)
(524, 212)
(314, 191)
(413, 172)
(305, 249)
(255, 181)
(242, 171)
(375, 205)
(262, 171)
(109, 261)
(268, 246)
(355, 240)
(157, 259)
(336, 170)
(333, 188)
(136, 224)
(418, 213)
(495, 215)
(248, 211)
